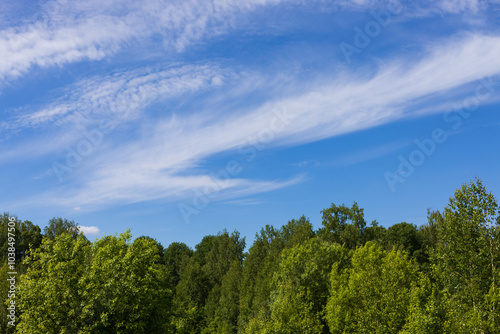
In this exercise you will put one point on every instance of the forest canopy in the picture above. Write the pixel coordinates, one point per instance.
(345, 277)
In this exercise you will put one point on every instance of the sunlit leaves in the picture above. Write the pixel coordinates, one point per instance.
(110, 286)
(373, 295)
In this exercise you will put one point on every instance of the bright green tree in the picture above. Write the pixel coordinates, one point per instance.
(126, 288)
(110, 286)
(467, 260)
(26, 237)
(50, 295)
(5, 328)
(159, 246)
(426, 309)
(373, 295)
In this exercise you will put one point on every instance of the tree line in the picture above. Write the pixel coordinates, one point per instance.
(345, 277)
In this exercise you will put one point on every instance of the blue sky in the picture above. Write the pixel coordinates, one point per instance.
(178, 119)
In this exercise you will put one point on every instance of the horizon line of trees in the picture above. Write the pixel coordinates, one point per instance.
(345, 277)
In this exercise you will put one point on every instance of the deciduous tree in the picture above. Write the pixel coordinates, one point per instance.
(467, 259)
(373, 295)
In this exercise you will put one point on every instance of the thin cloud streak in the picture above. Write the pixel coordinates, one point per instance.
(419, 8)
(65, 32)
(120, 97)
(150, 167)
(92, 30)
(370, 154)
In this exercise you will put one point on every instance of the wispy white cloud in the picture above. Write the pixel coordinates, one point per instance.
(419, 8)
(307, 163)
(368, 154)
(247, 201)
(398, 90)
(114, 100)
(153, 165)
(61, 32)
(119, 97)
(457, 6)
(139, 186)
(65, 32)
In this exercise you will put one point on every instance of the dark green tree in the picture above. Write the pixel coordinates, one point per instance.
(300, 287)
(225, 318)
(58, 226)
(296, 231)
(203, 248)
(404, 237)
(428, 236)
(226, 249)
(27, 237)
(261, 263)
(375, 233)
(175, 254)
(343, 225)
(189, 299)
(199, 289)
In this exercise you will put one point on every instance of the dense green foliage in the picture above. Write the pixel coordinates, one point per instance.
(373, 294)
(345, 277)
